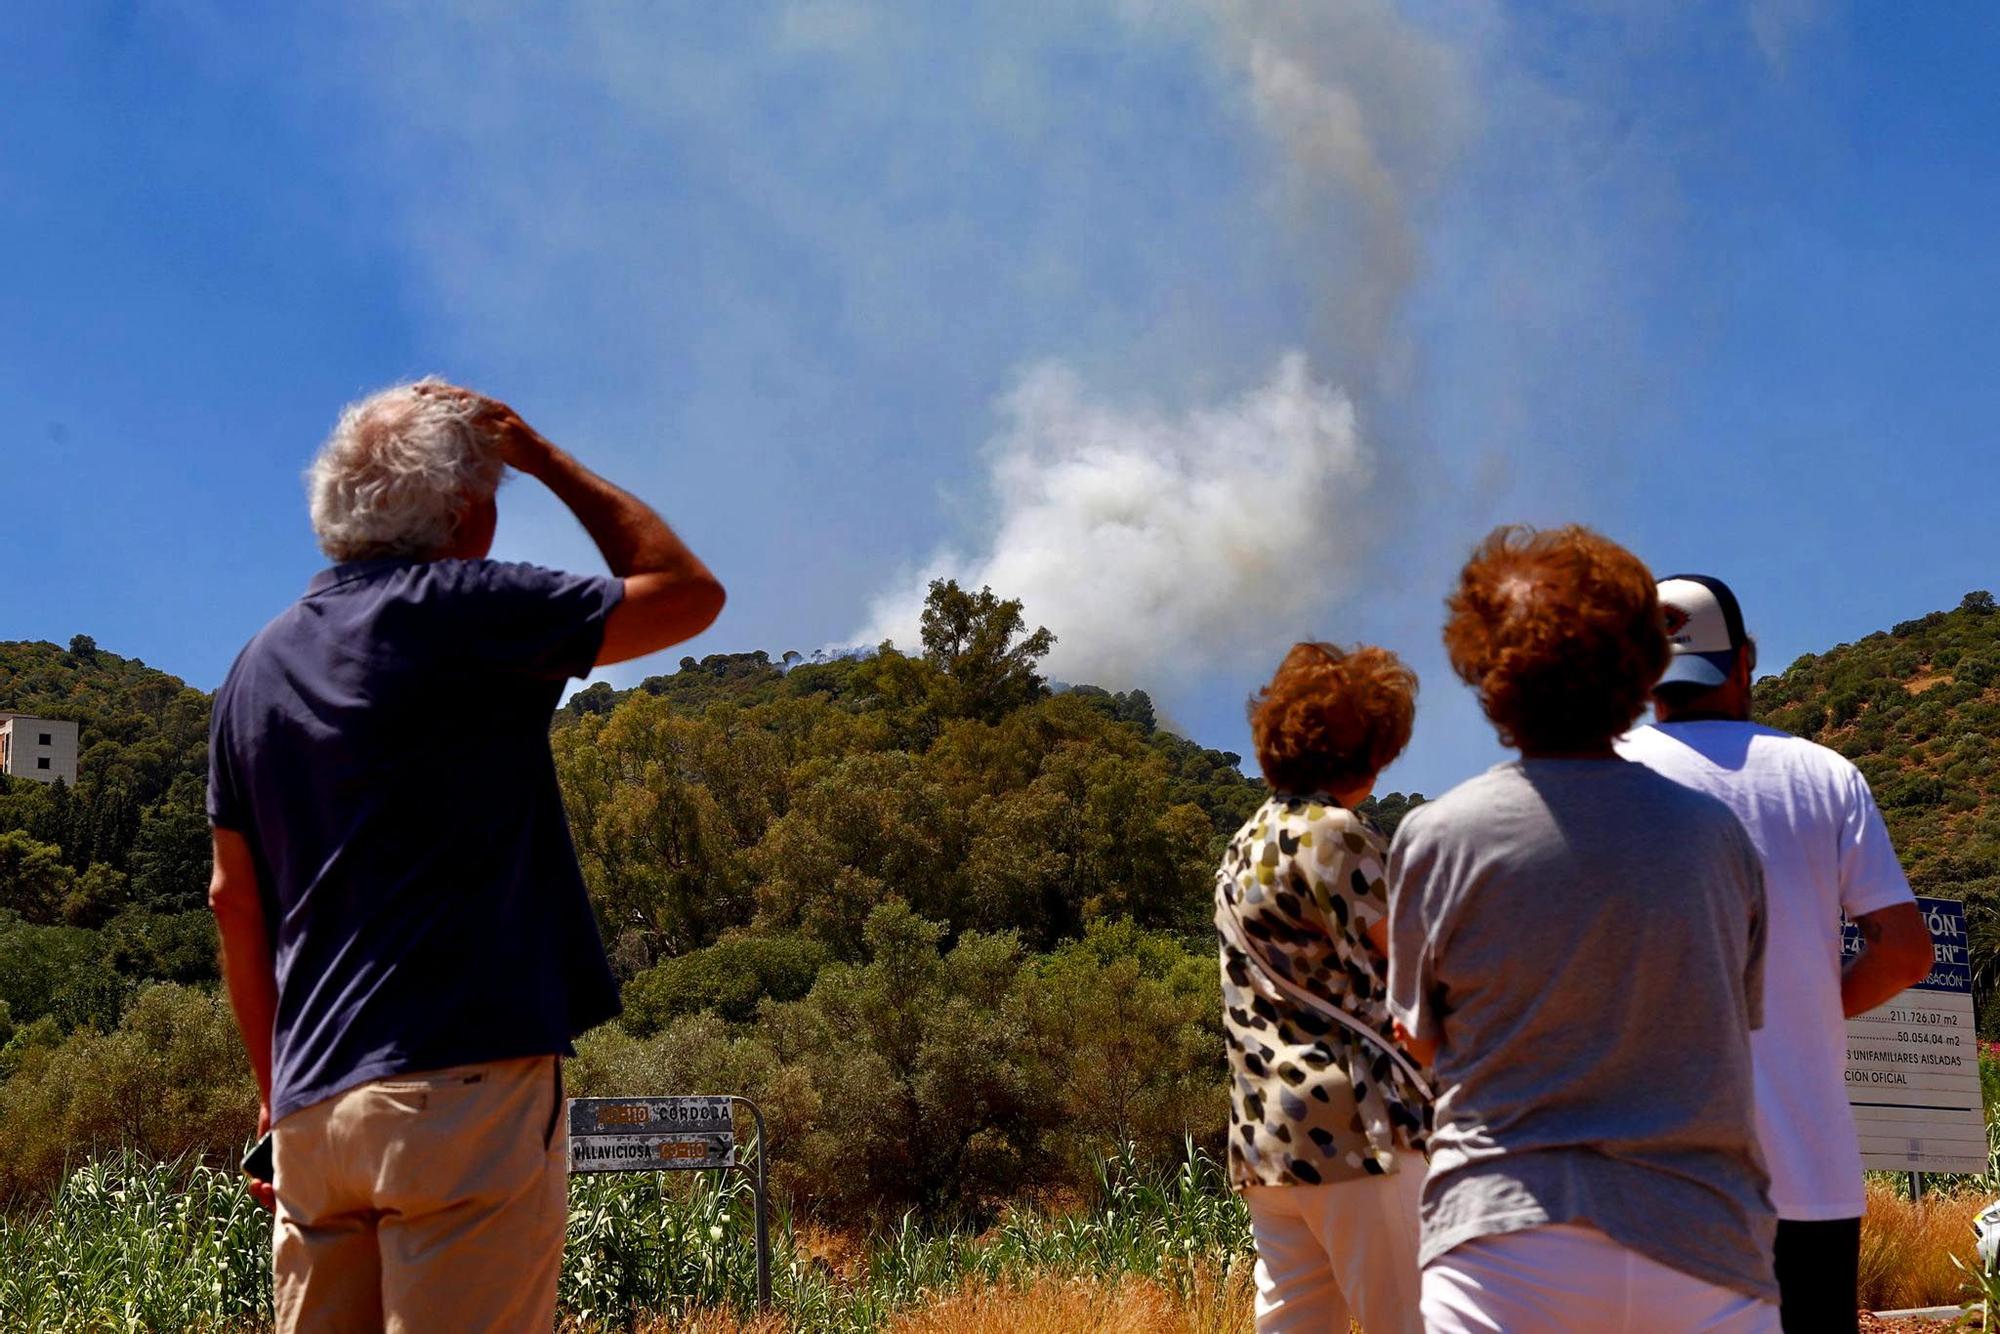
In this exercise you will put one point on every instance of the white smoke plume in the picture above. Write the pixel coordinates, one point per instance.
(1158, 545)
(1155, 547)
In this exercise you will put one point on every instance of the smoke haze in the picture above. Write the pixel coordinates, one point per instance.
(1157, 546)
(998, 292)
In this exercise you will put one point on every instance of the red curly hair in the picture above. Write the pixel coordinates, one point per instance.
(1331, 717)
(1560, 633)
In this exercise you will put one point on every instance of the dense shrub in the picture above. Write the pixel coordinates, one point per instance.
(947, 1076)
(729, 977)
(1912, 790)
(60, 972)
(1127, 1028)
(170, 1080)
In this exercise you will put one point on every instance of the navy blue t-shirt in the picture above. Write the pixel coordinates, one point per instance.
(383, 745)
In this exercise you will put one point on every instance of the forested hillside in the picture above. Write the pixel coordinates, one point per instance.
(950, 925)
(1917, 708)
(947, 923)
(104, 886)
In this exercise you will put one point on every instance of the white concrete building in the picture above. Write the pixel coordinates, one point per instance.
(40, 748)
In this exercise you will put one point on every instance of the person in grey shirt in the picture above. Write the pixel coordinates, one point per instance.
(1576, 944)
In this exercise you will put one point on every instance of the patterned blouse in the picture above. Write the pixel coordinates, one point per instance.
(1311, 1101)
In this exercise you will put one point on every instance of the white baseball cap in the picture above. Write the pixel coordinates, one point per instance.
(1704, 630)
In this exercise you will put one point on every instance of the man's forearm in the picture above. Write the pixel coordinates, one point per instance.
(1895, 954)
(632, 536)
(669, 595)
(248, 970)
(1870, 981)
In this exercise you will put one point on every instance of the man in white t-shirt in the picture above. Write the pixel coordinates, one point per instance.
(1826, 854)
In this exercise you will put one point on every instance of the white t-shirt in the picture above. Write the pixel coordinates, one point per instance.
(1826, 853)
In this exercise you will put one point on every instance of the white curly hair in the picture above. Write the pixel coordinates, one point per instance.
(399, 472)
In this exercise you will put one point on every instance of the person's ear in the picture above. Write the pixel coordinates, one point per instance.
(1746, 665)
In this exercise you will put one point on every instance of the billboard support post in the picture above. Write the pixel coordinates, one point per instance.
(760, 1196)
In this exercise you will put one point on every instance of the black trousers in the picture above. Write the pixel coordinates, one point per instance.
(1819, 1274)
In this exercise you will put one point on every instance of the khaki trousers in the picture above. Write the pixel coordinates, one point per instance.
(422, 1202)
(1342, 1251)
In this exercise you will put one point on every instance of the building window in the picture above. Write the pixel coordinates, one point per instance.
(42, 762)
(48, 739)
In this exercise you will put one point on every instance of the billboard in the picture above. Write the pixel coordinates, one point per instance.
(1913, 1063)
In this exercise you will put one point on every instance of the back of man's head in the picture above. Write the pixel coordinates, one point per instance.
(399, 472)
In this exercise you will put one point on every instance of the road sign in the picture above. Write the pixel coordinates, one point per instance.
(651, 1134)
(676, 1134)
(651, 1116)
(1913, 1063)
(651, 1153)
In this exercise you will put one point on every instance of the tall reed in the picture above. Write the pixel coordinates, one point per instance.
(128, 1244)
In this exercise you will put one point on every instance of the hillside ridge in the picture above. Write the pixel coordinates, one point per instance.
(1917, 709)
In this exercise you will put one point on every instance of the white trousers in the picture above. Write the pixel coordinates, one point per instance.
(1562, 1278)
(1346, 1250)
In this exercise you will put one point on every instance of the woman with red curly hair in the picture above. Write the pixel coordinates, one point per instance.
(1576, 945)
(1327, 1114)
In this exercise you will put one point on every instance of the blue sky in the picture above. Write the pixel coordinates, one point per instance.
(1211, 323)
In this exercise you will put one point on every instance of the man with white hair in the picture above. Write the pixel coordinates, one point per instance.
(405, 934)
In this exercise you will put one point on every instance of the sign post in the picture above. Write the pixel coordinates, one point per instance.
(674, 1134)
(1913, 1063)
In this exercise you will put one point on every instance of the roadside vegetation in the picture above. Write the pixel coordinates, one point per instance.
(127, 1244)
(945, 920)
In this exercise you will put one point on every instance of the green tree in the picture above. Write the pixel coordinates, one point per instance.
(860, 831)
(981, 645)
(663, 809)
(171, 852)
(1388, 811)
(1126, 1028)
(34, 881)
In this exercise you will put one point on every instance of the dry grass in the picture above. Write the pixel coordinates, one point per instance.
(710, 1322)
(1134, 1306)
(1054, 1306)
(1906, 1248)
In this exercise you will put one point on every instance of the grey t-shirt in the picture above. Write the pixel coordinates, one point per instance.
(1586, 939)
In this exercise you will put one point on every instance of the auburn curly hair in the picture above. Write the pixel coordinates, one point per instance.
(1560, 633)
(1332, 717)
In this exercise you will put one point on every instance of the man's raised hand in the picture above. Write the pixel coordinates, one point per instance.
(521, 446)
